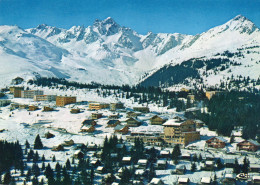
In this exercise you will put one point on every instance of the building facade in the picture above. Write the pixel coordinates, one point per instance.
(45, 98)
(65, 100)
(216, 142)
(114, 106)
(142, 109)
(97, 106)
(156, 120)
(30, 93)
(16, 91)
(4, 102)
(180, 132)
(248, 145)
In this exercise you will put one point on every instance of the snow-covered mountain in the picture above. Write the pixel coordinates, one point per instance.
(112, 54)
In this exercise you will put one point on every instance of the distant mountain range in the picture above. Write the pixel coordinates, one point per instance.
(108, 53)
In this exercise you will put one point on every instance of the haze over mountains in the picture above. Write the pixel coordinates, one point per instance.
(108, 53)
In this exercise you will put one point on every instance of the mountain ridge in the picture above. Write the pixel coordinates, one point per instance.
(106, 50)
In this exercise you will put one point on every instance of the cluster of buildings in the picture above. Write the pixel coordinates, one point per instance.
(38, 95)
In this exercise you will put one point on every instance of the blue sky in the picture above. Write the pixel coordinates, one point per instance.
(167, 16)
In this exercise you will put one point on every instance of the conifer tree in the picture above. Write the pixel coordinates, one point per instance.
(236, 168)
(43, 166)
(43, 158)
(35, 170)
(245, 166)
(27, 144)
(176, 153)
(126, 175)
(35, 181)
(193, 167)
(38, 143)
(92, 175)
(7, 178)
(68, 166)
(54, 159)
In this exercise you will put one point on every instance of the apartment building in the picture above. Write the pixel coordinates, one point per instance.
(30, 93)
(98, 106)
(16, 91)
(181, 132)
(65, 100)
(44, 97)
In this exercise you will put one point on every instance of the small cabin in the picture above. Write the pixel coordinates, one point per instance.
(58, 148)
(142, 163)
(180, 169)
(100, 170)
(142, 109)
(157, 120)
(229, 178)
(205, 181)
(33, 108)
(256, 179)
(68, 142)
(229, 162)
(123, 129)
(89, 122)
(156, 181)
(208, 166)
(47, 109)
(132, 114)
(165, 154)
(79, 154)
(92, 147)
(216, 142)
(254, 168)
(75, 111)
(248, 145)
(161, 164)
(95, 163)
(96, 115)
(126, 160)
(131, 122)
(87, 128)
(183, 180)
(113, 116)
(113, 123)
(49, 135)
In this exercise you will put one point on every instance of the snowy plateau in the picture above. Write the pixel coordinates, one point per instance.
(108, 53)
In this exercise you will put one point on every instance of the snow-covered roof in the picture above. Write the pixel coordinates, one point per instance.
(119, 127)
(219, 138)
(254, 142)
(77, 152)
(126, 159)
(229, 175)
(256, 178)
(142, 161)
(88, 121)
(161, 161)
(112, 122)
(100, 168)
(86, 127)
(183, 179)
(206, 180)
(115, 183)
(254, 165)
(164, 152)
(229, 160)
(155, 181)
(172, 122)
(139, 172)
(209, 162)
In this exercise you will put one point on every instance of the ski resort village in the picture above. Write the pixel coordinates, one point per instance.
(65, 134)
(104, 104)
